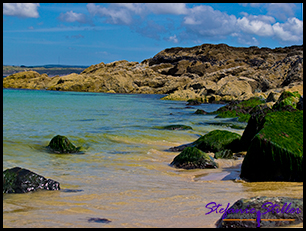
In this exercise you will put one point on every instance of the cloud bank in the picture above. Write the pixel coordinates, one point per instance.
(23, 10)
(178, 22)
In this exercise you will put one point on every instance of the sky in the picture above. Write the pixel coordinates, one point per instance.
(91, 33)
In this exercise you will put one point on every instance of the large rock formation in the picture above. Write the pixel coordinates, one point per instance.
(207, 72)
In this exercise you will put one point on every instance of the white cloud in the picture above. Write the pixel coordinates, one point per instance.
(259, 25)
(115, 14)
(204, 21)
(172, 39)
(291, 30)
(123, 13)
(167, 8)
(71, 16)
(281, 10)
(137, 8)
(25, 10)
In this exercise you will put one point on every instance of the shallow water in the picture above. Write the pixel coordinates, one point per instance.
(124, 174)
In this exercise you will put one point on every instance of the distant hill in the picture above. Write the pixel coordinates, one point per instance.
(56, 66)
(49, 69)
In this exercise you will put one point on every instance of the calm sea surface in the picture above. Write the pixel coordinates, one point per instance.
(123, 174)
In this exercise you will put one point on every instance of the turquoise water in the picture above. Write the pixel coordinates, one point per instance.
(123, 174)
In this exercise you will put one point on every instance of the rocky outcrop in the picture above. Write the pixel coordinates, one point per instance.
(20, 180)
(264, 212)
(208, 73)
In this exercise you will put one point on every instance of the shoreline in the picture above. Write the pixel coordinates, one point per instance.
(162, 195)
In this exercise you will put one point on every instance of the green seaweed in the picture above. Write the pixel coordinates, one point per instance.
(61, 144)
(218, 140)
(239, 109)
(9, 179)
(176, 127)
(287, 98)
(277, 148)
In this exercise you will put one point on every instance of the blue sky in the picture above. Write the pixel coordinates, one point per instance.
(90, 33)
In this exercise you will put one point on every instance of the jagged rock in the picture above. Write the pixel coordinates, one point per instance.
(191, 158)
(208, 73)
(20, 180)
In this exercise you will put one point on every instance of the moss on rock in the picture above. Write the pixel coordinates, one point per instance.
(176, 127)
(192, 157)
(61, 144)
(239, 109)
(287, 99)
(276, 151)
(218, 140)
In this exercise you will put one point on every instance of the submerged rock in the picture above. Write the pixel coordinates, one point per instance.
(177, 127)
(20, 180)
(200, 112)
(191, 158)
(275, 152)
(61, 144)
(255, 207)
(193, 102)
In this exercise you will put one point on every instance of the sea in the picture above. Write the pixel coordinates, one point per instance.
(122, 177)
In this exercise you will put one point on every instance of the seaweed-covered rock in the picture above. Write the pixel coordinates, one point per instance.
(191, 158)
(218, 140)
(287, 98)
(214, 141)
(276, 149)
(239, 109)
(20, 180)
(61, 144)
(255, 207)
(177, 127)
(224, 154)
